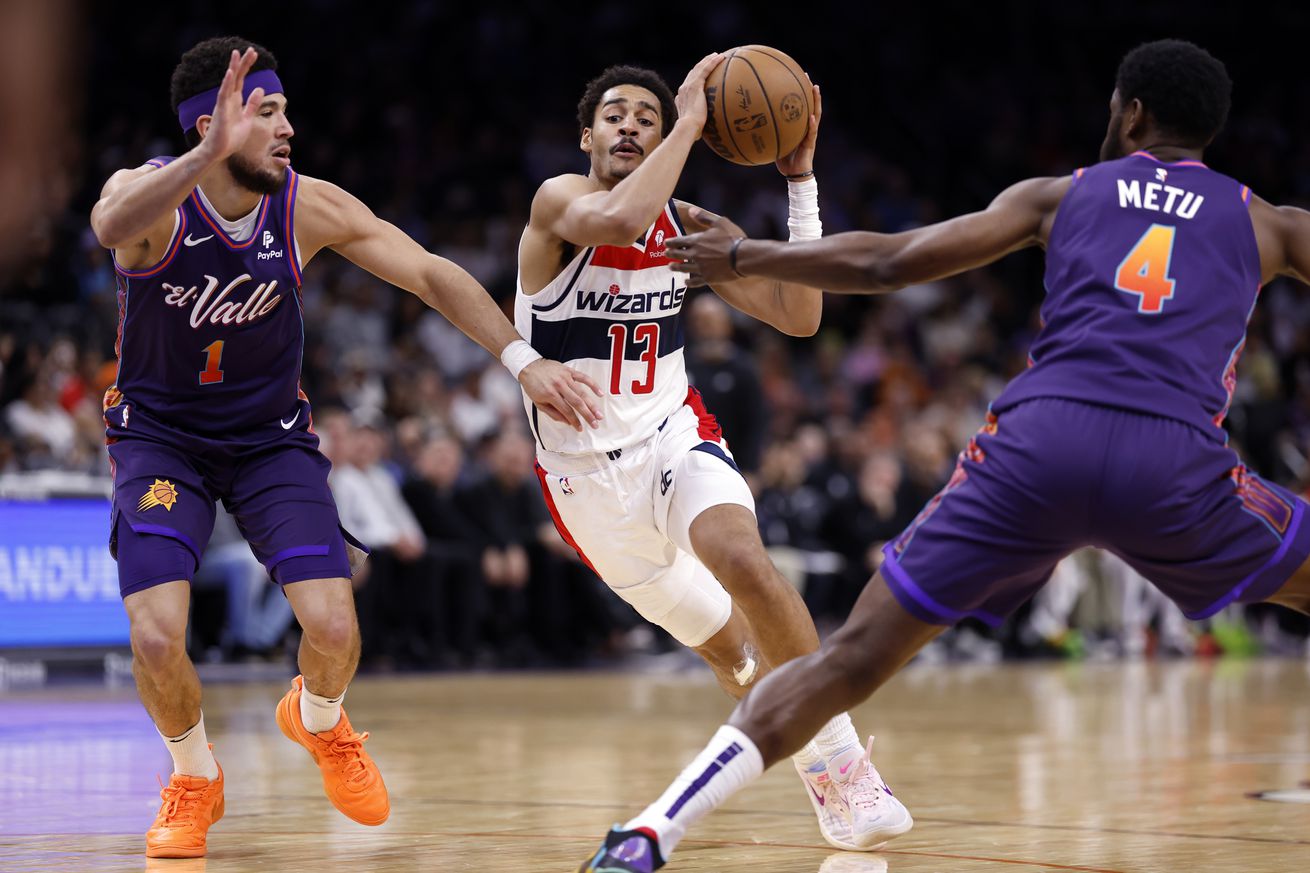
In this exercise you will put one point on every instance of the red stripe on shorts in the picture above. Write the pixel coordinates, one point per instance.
(559, 522)
(708, 426)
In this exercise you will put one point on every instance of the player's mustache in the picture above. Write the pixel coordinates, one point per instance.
(626, 141)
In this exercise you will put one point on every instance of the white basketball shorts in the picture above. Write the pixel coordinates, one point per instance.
(629, 517)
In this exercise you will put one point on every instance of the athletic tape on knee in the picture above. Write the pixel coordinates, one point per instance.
(744, 673)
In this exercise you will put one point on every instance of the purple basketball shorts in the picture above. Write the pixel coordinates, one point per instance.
(1049, 476)
(273, 480)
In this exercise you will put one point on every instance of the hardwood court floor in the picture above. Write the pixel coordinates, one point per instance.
(1014, 768)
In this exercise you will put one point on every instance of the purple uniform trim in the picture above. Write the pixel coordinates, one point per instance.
(704, 779)
(296, 552)
(174, 245)
(1297, 512)
(917, 602)
(161, 530)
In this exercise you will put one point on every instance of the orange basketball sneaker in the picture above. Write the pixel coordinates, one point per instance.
(350, 778)
(192, 804)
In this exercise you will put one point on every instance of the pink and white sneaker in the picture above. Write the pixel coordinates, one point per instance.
(873, 814)
(834, 823)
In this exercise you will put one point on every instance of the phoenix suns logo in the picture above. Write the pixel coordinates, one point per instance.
(161, 493)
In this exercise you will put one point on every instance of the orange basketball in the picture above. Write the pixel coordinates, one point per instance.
(759, 103)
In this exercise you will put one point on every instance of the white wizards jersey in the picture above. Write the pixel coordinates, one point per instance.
(614, 313)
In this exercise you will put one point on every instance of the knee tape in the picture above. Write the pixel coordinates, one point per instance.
(691, 608)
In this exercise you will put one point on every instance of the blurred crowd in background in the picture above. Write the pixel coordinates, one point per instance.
(445, 124)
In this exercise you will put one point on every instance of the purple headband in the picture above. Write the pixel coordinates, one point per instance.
(190, 109)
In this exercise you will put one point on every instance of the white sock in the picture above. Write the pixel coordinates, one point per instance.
(810, 758)
(191, 753)
(319, 713)
(836, 737)
(727, 764)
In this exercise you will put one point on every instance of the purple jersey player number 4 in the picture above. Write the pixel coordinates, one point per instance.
(1111, 438)
(208, 248)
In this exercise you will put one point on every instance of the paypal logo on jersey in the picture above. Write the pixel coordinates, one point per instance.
(610, 300)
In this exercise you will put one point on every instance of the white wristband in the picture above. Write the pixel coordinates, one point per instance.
(518, 355)
(803, 209)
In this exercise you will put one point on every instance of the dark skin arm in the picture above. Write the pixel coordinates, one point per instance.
(791, 307)
(1282, 234)
(869, 263)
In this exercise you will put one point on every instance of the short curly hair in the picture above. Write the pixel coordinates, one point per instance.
(203, 66)
(627, 75)
(1184, 87)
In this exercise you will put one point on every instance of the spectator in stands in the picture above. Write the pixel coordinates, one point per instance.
(727, 379)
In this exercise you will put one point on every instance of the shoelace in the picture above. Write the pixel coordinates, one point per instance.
(177, 798)
(864, 790)
(349, 750)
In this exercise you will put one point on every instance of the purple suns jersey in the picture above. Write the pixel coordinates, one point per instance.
(210, 338)
(1152, 272)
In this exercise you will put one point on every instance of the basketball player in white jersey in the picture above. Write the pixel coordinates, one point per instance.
(651, 499)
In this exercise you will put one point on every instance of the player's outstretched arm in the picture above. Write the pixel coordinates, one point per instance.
(569, 207)
(793, 308)
(329, 217)
(790, 307)
(1282, 234)
(134, 215)
(858, 262)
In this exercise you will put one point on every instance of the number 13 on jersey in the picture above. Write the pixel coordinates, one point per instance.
(1145, 272)
(648, 337)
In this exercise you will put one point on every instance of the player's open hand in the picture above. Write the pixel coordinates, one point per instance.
(563, 393)
(706, 257)
(232, 120)
(801, 160)
(690, 99)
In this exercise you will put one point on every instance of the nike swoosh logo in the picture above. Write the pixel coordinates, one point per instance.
(842, 770)
(286, 425)
(195, 242)
(817, 795)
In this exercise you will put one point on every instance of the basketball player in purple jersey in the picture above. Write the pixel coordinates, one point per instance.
(209, 249)
(1111, 438)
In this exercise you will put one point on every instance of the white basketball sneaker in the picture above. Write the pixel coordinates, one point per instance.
(834, 824)
(873, 813)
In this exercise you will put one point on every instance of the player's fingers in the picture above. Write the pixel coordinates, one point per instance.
(818, 102)
(695, 280)
(590, 407)
(704, 216)
(578, 404)
(579, 376)
(565, 409)
(552, 413)
(243, 66)
(682, 266)
(225, 86)
(252, 105)
(702, 70)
